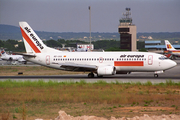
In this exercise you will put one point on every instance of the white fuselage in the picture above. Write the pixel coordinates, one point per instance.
(123, 61)
(101, 63)
(12, 57)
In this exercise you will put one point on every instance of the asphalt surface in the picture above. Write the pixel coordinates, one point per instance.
(172, 74)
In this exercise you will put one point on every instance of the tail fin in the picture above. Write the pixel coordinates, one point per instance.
(3, 53)
(32, 42)
(169, 46)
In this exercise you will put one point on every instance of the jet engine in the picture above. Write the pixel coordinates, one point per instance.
(106, 70)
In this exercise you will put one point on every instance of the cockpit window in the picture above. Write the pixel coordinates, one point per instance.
(163, 58)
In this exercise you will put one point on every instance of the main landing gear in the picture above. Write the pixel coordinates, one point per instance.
(91, 75)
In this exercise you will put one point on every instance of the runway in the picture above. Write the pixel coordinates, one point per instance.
(171, 74)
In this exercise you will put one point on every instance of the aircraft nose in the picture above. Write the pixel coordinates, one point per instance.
(172, 63)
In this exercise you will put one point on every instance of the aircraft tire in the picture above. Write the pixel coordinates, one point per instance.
(156, 75)
(90, 75)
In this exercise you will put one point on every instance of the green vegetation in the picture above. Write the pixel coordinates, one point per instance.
(107, 45)
(40, 99)
(10, 45)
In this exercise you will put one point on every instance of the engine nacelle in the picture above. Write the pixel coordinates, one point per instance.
(106, 70)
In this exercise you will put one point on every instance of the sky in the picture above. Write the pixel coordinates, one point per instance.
(73, 15)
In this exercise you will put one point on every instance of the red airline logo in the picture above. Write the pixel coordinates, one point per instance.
(28, 40)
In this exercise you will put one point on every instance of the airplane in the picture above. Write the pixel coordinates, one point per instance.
(171, 51)
(100, 63)
(11, 58)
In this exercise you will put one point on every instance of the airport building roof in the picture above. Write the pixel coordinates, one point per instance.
(153, 42)
(160, 46)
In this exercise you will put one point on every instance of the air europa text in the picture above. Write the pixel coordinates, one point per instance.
(138, 56)
(34, 38)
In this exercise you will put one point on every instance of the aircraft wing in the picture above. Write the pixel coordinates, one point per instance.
(77, 67)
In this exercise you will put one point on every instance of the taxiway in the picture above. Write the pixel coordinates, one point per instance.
(171, 74)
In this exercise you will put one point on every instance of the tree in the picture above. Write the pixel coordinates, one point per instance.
(53, 43)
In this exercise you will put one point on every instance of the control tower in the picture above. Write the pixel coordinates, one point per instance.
(127, 32)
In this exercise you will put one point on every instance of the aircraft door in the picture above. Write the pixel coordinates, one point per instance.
(47, 60)
(150, 60)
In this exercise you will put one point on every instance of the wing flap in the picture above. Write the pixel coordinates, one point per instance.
(77, 67)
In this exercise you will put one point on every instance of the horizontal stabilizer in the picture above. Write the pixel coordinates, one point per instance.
(25, 54)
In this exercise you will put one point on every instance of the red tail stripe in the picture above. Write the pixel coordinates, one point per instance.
(33, 46)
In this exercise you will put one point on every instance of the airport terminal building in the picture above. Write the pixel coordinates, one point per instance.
(157, 45)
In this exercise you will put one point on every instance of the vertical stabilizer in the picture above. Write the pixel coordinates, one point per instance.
(3, 53)
(169, 46)
(32, 42)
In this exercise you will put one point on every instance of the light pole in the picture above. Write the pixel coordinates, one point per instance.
(90, 25)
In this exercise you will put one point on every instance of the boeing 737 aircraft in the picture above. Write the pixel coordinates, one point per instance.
(100, 63)
(171, 50)
(11, 58)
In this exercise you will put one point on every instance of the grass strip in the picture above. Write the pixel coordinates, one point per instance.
(79, 98)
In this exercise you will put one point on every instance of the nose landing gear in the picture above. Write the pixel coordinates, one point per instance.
(156, 75)
(157, 72)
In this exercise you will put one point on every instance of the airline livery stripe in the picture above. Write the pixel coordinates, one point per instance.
(174, 51)
(128, 63)
(33, 46)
